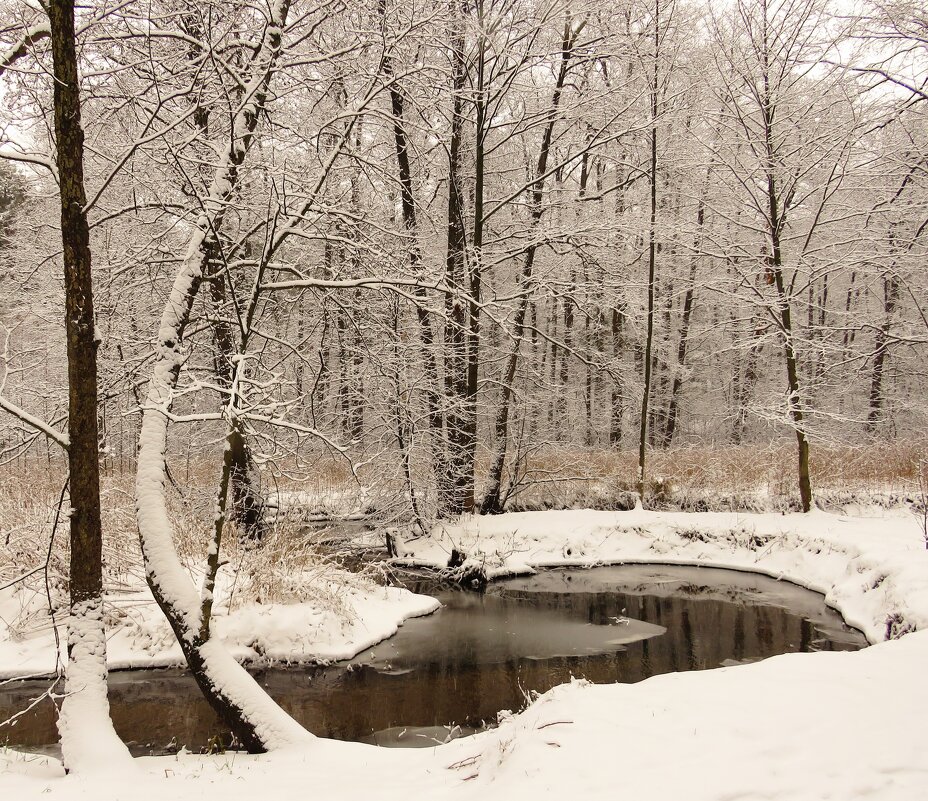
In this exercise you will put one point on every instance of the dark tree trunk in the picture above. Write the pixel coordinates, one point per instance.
(673, 405)
(617, 405)
(456, 489)
(475, 268)
(350, 390)
(852, 293)
(86, 573)
(553, 333)
(744, 388)
(652, 245)
(881, 352)
(776, 223)
(247, 500)
(86, 671)
(588, 337)
(563, 428)
(408, 210)
(493, 497)
(670, 428)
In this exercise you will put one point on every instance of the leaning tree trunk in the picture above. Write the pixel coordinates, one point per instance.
(88, 740)
(254, 719)
(247, 501)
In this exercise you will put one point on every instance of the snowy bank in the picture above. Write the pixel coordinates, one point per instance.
(874, 570)
(341, 617)
(841, 725)
(793, 728)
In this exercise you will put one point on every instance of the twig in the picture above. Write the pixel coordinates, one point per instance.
(48, 589)
(35, 702)
(553, 723)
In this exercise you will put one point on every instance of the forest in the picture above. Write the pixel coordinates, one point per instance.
(286, 284)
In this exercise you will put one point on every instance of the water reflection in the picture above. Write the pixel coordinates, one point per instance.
(482, 654)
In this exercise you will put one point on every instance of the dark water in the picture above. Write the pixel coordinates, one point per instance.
(481, 654)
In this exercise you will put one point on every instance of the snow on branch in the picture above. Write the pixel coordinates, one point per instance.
(35, 423)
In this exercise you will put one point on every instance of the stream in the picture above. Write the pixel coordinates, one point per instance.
(453, 672)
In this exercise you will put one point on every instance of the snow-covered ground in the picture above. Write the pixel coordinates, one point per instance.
(799, 726)
(342, 616)
(874, 570)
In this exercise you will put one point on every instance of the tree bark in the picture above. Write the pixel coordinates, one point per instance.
(776, 222)
(475, 272)
(670, 428)
(617, 403)
(652, 249)
(456, 488)
(423, 318)
(247, 500)
(255, 720)
(881, 352)
(744, 388)
(493, 499)
(85, 708)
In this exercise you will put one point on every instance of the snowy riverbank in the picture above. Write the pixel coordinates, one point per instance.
(341, 616)
(872, 569)
(799, 726)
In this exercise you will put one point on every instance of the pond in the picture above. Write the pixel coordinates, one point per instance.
(452, 672)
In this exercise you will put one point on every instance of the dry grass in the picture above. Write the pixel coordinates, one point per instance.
(747, 477)
(881, 469)
(290, 565)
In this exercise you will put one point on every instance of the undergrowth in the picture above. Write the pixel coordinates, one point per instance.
(297, 564)
(291, 564)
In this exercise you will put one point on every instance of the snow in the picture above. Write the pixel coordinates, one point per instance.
(345, 617)
(85, 706)
(20, 47)
(331, 505)
(35, 422)
(842, 725)
(870, 569)
(170, 583)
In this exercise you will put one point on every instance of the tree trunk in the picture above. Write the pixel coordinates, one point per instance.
(456, 489)
(493, 499)
(88, 740)
(408, 209)
(247, 500)
(617, 405)
(745, 388)
(881, 352)
(670, 427)
(776, 223)
(475, 267)
(794, 400)
(652, 245)
(255, 720)
(563, 427)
